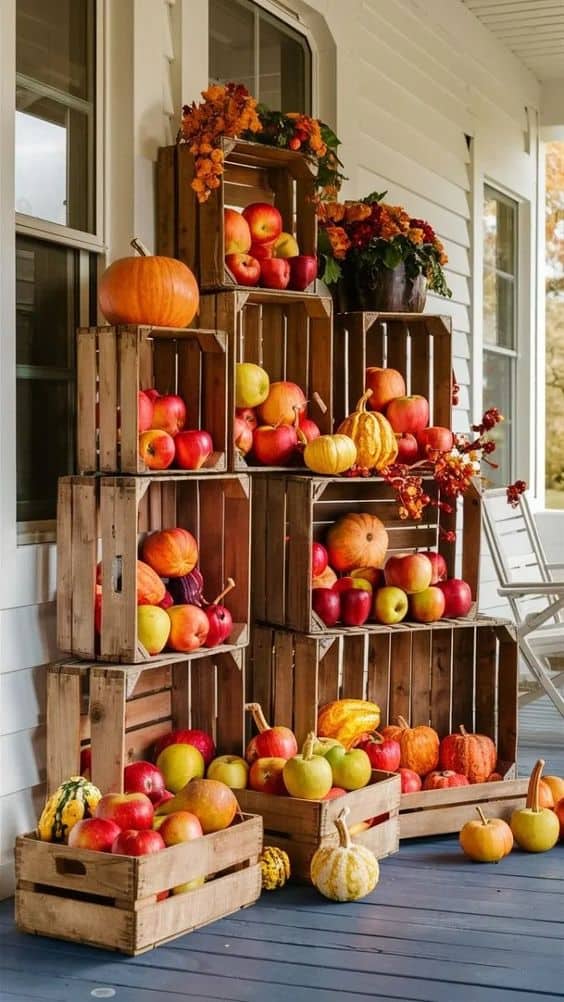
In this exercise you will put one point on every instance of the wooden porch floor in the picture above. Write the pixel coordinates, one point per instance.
(437, 928)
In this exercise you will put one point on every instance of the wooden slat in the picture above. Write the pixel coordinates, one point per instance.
(87, 460)
(400, 675)
(260, 522)
(83, 561)
(63, 724)
(441, 680)
(64, 564)
(329, 676)
(463, 682)
(112, 368)
(261, 687)
(378, 681)
(486, 681)
(283, 680)
(107, 723)
(298, 555)
(306, 697)
(508, 676)
(166, 201)
(420, 677)
(355, 654)
(278, 551)
(187, 230)
(202, 693)
(231, 703)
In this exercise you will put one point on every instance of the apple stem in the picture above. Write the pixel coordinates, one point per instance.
(320, 402)
(138, 246)
(307, 750)
(403, 723)
(483, 818)
(229, 587)
(376, 738)
(256, 711)
(341, 826)
(534, 786)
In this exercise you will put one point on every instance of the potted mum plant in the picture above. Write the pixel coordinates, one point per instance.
(376, 256)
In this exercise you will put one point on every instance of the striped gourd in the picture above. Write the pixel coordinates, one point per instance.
(275, 867)
(345, 872)
(74, 800)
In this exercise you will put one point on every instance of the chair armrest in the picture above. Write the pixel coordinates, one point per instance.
(555, 567)
(533, 588)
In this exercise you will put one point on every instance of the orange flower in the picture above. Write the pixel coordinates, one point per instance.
(339, 241)
(416, 235)
(330, 212)
(355, 212)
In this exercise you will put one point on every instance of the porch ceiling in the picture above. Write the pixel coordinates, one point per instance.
(532, 29)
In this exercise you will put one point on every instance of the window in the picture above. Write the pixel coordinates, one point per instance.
(500, 324)
(56, 205)
(248, 45)
(555, 325)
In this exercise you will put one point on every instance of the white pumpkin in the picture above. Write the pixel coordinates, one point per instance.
(345, 872)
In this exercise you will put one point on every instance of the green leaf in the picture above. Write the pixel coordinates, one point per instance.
(374, 196)
(331, 269)
(392, 256)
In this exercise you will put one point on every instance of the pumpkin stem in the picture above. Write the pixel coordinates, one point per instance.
(229, 587)
(341, 826)
(138, 246)
(320, 402)
(256, 711)
(534, 785)
(483, 818)
(403, 723)
(462, 730)
(307, 750)
(361, 405)
(299, 433)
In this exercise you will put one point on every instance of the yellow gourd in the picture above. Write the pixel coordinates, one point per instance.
(345, 872)
(372, 434)
(72, 801)
(346, 719)
(275, 867)
(330, 454)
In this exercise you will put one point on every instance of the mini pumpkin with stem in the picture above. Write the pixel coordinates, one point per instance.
(346, 872)
(487, 840)
(535, 828)
(419, 746)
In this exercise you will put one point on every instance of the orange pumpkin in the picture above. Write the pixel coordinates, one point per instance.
(158, 291)
(546, 797)
(419, 746)
(150, 589)
(444, 780)
(172, 553)
(372, 434)
(474, 755)
(357, 541)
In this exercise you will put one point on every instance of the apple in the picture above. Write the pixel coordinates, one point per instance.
(265, 775)
(303, 271)
(191, 736)
(390, 605)
(156, 449)
(236, 232)
(410, 781)
(144, 777)
(375, 575)
(334, 792)
(408, 448)
(434, 439)
(412, 572)
(167, 795)
(558, 810)
(94, 833)
(231, 770)
(86, 762)
(327, 604)
(356, 604)
(247, 414)
(242, 436)
(219, 618)
(309, 429)
(438, 562)
(251, 386)
(98, 610)
(192, 449)
(286, 245)
(167, 601)
(274, 446)
(384, 753)
(308, 776)
(190, 885)
(427, 606)
(179, 763)
(244, 268)
(133, 842)
(262, 251)
(346, 583)
(169, 413)
(152, 393)
(189, 628)
(410, 413)
(322, 745)
(283, 400)
(351, 769)
(275, 273)
(127, 810)
(319, 559)
(182, 826)
(153, 627)
(458, 597)
(265, 222)
(325, 580)
(386, 385)
(270, 742)
(144, 411)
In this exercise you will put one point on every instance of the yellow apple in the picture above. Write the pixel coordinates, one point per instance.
(191, 885)
(286, 246)
(179, 763)
(229, 769)
(153, 627)
(252, 385)
(390, 605)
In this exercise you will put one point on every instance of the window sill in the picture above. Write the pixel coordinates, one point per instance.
(29, 533)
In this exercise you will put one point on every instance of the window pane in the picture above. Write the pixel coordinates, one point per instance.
(498, 392)
(499, 309)
(231, 46)
(500, 230)
(44, 445)
(282, 70)
(54, 44)
(45, 303)
(555, 325)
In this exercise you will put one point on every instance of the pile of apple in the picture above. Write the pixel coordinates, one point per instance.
(257, 251)
(413, 585)
(408, 416)
(271, 422)
(162, 438)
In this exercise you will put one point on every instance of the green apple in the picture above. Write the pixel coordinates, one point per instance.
(308, 776)
(390, 605)
(179, 764)
(351, 769)
(322, 745)
(229, 769)
(252, 385)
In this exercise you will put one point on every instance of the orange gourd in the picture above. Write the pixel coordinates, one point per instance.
(330, 454)
(150, 589)
(419, 746)
(487, 840)
(372, 434)
(357, 540)
(474, 755)
(170, 552)
(149, 289)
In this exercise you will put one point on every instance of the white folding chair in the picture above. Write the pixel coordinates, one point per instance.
(536, 598)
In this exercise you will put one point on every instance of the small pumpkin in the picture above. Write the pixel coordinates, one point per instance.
(535, 828)
(372, 434)
(357, 540)
(72, 801)
(444, 780)
(275, 867)
(150, 589)
(330, 454)
(170, 552)
(347, 719)
(346, 872)
(419, 746)
(158, 291)
(474, 755)
(487, 840)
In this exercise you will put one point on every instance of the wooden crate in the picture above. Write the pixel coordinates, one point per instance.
(101, 899)
(417, 345)
(106, 518)
(120, 712)
(303, 826)
(288, 334)
(291, 511)
(253, 173)
(113, 363)
(451, 673)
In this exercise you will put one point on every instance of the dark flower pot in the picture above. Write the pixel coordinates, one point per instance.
(387, 291)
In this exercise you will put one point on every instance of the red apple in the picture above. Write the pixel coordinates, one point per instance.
(427, 606)
(386, 385)
(319, 559)
(144, 411)
(199, 739)
(303, 271)
(167, 601)
(189, 628)
(128, 810)
(275, 273)
(262, 251)
(356, 605)
(327, 604)
(334, 792)
(458, 597)
(384, 753)
(86, 762)
(221, 625)
(265, 775)
(156, 449)
(438, 562)
(167, 795)
(144, 777)
(274, 446)
(434, 439)
(412, 572)
(265, 222)
(137, 843)
(410, 781)
(348, 582)
(182, 826)
(169, 413)
(192, 449)
(244, 268)
(270, 742)
(375, 575)
(242, 436)
(98, 610)
(94, 833)
(247, 414)
(308, 428)
(559, 811)
(409, 413)
(408, 449)
(152, 393)
(236, 232)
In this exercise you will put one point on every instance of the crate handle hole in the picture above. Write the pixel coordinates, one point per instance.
(117, 574)
(74, 866)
